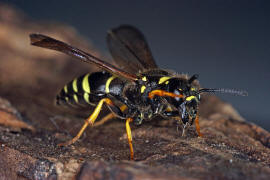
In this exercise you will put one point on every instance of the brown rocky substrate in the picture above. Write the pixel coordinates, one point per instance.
(31, 126)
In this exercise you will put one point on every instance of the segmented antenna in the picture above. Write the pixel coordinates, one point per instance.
(222, 90)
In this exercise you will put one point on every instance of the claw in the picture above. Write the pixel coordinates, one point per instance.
(185, 126)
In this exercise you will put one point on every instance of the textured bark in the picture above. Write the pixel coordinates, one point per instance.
(31, 126)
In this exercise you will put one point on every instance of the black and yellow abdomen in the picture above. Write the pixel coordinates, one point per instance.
(89, 89)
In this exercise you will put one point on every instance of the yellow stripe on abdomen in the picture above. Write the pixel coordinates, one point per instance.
(65, 89)
(75, 97)
(108, 82)
(74, 85)
(86, 97)
(85, 84)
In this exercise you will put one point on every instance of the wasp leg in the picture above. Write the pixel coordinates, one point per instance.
(198, 126)
(91, 119)
(176, 114)
(185, 126)
(109, 116)
(154, 93)
(129, 135)
(170, 114)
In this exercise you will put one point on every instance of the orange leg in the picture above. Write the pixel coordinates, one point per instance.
(163, 93)
(109, 116)
(129, 136)
(198, 126)
(90, 120)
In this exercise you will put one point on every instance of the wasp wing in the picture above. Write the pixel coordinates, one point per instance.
(129, 49)
(50, 43)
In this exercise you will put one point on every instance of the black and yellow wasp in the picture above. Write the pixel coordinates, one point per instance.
(136, 90)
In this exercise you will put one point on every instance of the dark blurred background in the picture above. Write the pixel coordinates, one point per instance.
(226, 42)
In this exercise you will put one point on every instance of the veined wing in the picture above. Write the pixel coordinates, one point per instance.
(130, 49)
(50, 43)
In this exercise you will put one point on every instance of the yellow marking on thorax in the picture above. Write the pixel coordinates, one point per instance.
(143, 89)
(193, 89)
(74, 85)
(108, 82)
(85, 84)
(75, 97)
(189, 98)
(164, 79)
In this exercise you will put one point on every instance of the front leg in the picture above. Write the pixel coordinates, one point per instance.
(170, 114)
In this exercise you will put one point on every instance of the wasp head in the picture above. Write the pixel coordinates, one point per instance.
(188, 109)
(188, 105)
(188, 97)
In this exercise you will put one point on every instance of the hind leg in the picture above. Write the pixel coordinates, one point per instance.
(109, 116)
(91, 119)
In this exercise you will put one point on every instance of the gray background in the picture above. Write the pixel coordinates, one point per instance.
(225, 41)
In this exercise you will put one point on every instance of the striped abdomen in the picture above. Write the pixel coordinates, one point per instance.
(88, 89)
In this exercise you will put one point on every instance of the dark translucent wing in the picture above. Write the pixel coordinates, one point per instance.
(129, 49)
(50, 43)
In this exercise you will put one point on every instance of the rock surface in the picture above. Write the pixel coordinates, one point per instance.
(31, 126)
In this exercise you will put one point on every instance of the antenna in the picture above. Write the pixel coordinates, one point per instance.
(222, 90)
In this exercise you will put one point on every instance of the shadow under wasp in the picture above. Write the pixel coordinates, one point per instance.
(136, 90)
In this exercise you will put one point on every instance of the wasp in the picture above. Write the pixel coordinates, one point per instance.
(136, 90)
